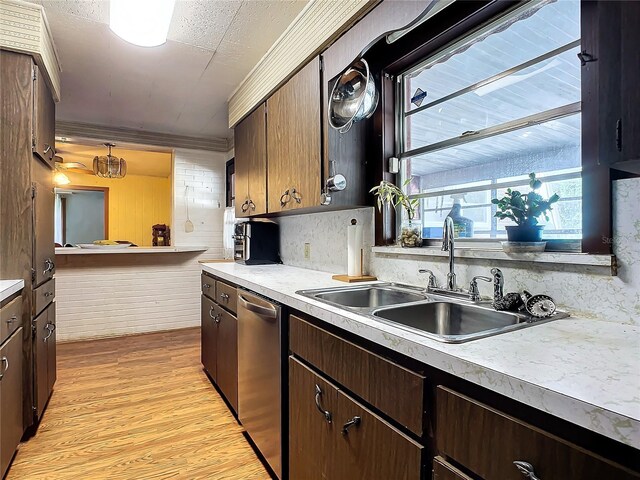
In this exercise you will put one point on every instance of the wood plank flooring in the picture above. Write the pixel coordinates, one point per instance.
(136, 407)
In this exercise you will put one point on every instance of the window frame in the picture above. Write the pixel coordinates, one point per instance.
(462, 18)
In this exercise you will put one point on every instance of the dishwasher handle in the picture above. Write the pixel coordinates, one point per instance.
(271, 313)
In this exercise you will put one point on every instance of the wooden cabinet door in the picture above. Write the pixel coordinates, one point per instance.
(251, 164)
(41, 352)
(43, 222)
(44, 119)
(10, 398)
(52, 371)
(370, 448)
(227, 358)
(312, 436)
(208, 335)
(293, 141)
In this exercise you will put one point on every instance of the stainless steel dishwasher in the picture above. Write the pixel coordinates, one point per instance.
(261, 344)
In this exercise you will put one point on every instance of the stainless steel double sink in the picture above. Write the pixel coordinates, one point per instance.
(434, 316)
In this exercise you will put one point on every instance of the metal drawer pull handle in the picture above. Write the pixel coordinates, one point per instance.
(206, 285)
(355, 421)
(296, 195)
(12, 319)
(48, 294)
(285, 198)
(5, 366)
(252, 307)
(47, 147)
(49, 266)
(224, 296)
(526, 469)
(252, 205)
(217, 318)
(325, 413)
(50, 330)
(211, 313)
(245, 206)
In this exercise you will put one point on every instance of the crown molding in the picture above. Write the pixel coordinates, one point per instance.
(103, 133)
(315, 28)
(24, 29)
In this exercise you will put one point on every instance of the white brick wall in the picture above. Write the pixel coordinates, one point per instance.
(110, 295)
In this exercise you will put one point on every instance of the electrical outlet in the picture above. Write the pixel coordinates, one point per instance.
(307, 251)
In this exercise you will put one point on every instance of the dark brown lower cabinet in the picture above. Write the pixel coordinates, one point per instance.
(227, 357)
(494, 445)
(443, 470)
(332, 436)
(208, 336)
(45, 356)
(219, 348)
(11, 427)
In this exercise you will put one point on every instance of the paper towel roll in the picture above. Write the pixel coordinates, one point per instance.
(354, 250)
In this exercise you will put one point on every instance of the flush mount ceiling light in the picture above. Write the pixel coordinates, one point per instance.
(141, 22)
(109, 166)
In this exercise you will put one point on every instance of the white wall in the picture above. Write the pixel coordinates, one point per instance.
(585, 291)
(110, 295)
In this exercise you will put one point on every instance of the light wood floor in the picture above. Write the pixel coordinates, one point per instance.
(136, 408)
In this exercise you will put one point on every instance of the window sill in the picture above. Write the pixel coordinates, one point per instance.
(584, 259)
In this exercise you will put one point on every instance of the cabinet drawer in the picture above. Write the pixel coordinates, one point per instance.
(392, 389)
(488, 442)
(443, 470)
(44, 295)
(208, 285)
(226, 296)
(10, 318)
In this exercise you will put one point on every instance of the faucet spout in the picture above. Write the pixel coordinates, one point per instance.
(448, 245)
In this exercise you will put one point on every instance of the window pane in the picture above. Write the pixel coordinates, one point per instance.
(550, 84)
(537, 30)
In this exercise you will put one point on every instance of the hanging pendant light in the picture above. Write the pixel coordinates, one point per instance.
(109, 166)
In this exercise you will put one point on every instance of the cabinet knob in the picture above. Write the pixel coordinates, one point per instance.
(354, 422)
(526, 469)
(224, 296)
(325, 413)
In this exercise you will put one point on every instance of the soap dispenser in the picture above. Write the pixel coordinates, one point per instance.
(463, 226)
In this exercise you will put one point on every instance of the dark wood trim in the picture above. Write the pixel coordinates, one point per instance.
(105, 190)
(230, 169)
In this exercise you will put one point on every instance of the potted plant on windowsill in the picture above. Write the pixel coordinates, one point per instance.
(389, 194)
(524, 209)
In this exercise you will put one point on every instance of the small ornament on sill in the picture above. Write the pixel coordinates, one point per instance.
(161, 235)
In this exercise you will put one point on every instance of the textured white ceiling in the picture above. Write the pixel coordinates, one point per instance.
(180, 87)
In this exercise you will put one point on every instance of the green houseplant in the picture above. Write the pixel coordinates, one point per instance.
(388, 194)
(524, 209)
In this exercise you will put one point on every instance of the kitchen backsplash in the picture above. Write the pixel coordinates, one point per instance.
(326, 234)
(584, 291)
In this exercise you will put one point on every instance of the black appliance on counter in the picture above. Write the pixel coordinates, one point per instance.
(256, 243)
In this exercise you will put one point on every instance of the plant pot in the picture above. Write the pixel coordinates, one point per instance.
(410, 234)
(521, 233)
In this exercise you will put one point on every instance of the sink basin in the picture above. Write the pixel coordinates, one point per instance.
(452, 322)
(367, 297)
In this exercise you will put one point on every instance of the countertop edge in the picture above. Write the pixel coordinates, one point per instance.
(127, 251)
(592, 417)
(9, 288)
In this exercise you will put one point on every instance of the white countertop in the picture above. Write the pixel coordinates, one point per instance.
(9, 287)
(584, 371)
(128, 250)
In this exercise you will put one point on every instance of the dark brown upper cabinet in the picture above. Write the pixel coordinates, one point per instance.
(293, 142)
(251, 164)
(43, 218)
(44, 119)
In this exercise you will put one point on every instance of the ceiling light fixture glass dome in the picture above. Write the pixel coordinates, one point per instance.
(109, 166)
